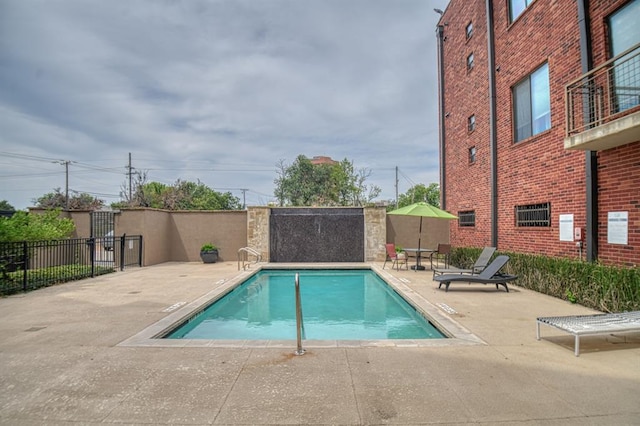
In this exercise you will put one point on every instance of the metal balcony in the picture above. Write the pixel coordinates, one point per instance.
(603, 106)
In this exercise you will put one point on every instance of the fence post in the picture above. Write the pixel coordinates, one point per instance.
(140, 251)
(92, 255)
(25, 251)
(122, 246)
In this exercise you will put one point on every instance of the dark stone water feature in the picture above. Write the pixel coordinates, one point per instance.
(317, 235)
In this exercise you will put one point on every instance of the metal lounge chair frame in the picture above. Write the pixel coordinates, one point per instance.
(591, 325)
(489, 275)
(478, 266)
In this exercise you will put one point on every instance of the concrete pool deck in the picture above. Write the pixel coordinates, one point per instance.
(61, 363)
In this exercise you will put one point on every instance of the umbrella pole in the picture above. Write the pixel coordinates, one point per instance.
(418, 266)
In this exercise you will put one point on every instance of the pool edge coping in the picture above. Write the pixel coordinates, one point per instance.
(457, 335)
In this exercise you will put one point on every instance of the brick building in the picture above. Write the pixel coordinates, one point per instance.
(540, 126)
(319, 159)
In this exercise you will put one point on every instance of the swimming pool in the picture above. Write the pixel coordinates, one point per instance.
(336, 305)
(178, 312)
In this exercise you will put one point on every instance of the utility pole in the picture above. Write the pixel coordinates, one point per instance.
(396, 187)
(65, 163)
(66, 184)
(130, 173)
(244, 198)
(130, 181)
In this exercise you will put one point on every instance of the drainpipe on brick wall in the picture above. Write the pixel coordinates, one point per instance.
(493, 139)
(443, 164)
(591, 158)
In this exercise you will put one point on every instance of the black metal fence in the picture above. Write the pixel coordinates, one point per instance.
(29, 265)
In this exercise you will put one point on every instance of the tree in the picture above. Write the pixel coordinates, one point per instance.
(183, 195)
(24, 226)
(5, 206)
(58, 200)
(339, 184)
(198, 196)
(429, 194)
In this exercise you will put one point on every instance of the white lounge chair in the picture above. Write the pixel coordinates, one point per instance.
(591, 325)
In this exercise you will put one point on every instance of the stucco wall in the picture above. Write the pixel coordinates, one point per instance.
(155, 228)
(403, 231)
(190, 229)
(82, 220)
(178, 236)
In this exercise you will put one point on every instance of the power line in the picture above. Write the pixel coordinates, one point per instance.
(31, 175)
(99, 194)
(29, 157)
(407, 178)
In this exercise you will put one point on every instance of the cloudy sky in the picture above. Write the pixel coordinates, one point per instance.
(215, 90)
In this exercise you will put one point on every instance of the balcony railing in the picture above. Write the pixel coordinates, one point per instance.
(605, 93)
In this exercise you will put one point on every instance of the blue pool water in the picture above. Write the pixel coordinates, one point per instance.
(336, 305)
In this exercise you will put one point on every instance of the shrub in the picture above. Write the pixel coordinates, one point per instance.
(11, 282)
(602, 287)
(23, 226)
(208, 247)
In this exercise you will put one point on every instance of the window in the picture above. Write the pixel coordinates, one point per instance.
(516, 7)
(625, 33)
(470, 62)
(469, 30)
(471, 123)
(535, 215)
(532, 104)
(467, 218)
(472, 155)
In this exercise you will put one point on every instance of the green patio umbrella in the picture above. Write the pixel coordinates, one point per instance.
(422, 209)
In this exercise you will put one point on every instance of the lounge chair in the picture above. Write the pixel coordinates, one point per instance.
(442, 252)
(396, 258)
(478, 266)
(489, 275)
(591, 325)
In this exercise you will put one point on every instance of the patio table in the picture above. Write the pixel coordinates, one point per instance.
(418, 251)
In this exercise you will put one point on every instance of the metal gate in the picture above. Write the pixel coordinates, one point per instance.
(102, 230)
(109, 249)
(103, 224)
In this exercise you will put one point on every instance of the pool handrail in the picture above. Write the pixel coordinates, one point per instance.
(299, 326)
(243, 256)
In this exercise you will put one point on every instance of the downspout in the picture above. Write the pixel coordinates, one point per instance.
(493, 139)
(443, 164)
(591, 158)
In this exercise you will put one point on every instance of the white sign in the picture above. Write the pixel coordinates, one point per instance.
(566, 227)
(618, 227)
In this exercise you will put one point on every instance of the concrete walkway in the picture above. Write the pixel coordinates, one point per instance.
(61, 363)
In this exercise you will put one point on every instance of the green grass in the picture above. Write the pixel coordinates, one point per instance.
(601, 287)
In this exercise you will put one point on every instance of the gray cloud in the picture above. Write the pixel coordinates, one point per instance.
(214, 90)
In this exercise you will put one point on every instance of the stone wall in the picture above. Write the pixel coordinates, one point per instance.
(375, 234)
(258, 230)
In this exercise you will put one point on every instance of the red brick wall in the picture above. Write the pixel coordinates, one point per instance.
(619, 191)
(467, 185)
(619, 168)
(538, 169)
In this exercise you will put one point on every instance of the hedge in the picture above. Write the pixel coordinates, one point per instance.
(593, 285)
